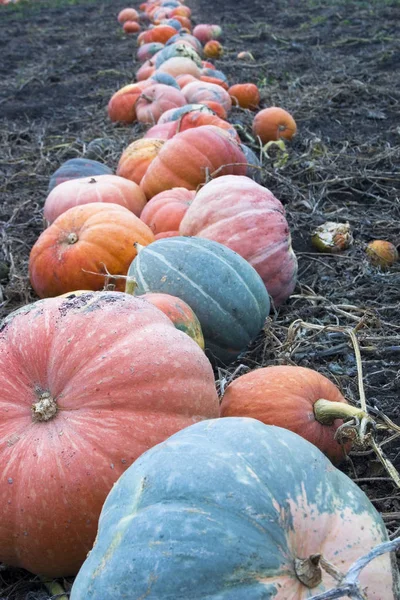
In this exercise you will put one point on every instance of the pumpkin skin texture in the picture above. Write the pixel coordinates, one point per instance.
(177, 50)
(185, 158)
(285, 396)
(180, 65)
(176, 113)
(128, 14)
(155, 100)
(162, 131)
(186, 38)
(145, 71)
(246, 217)
(104, 188)
(147, 51)
(271, 124)
(180, 314)
(136, 158)
(104, 358)
(243, 504)
(183, 80)
(92, 237)
(75, 168)
(166, 79)
(222, 289)
(165, 211)
(160, 33)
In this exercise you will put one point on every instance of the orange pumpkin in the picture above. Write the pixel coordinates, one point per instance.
(184, 21)
(84, 243)
(165, 211)
(184, 79)
(128, 14)
(181, 11)
(160, 33)
(382, 253)
(213, 49)
(187, 158)
(136, 158)
(271, 124)
(217, 108)
(131, 27)
(100, 188)
(199, 92)
(122, 106)
(245, 95)
(162, 131)
(286, 396)
(215, 81)
(155, 100)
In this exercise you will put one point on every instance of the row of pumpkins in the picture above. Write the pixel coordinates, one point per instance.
(115, 390)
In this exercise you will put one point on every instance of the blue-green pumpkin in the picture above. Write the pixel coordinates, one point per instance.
(165, 78)
(75, 168)
(174, 50)
(232, 509)
(222, 288)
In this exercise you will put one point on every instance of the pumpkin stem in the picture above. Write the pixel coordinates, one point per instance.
(130, 286)
(45, 408)
(54, 588)
(138, 247)
(308, 570)
(72, 238)
(326, 411)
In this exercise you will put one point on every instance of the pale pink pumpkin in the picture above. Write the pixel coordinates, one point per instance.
(198, 92)
(155, 100)
(245, 216)
(99, 188)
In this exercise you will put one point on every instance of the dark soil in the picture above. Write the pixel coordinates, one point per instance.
(335, 66)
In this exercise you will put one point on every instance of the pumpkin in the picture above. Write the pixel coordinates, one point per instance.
(145, 71)
(182, 11)
(185, 159)
(162, 131)
(199, 118)
(155, 100)
(87, 387)
(160, 33)
(197, 92)
(253, 161)
(213, 49)
(382, 253)
(233, 509)
(219, 76)
(186, 38)
(131, 27)
(204, 32)
(217, 108)
(271, 124)
(208, 65)
(128, 14)
(165, 79)
(295, 398)
(184, 79)
(122, 105)
(223, 289)
(136, 158)
(75, 168)
(180, 65)
(174, 114)
(103, 188)
(177, 50)
(147, 51)
(180, 314)
(246, 217)
(215, 81)
(184, 21)
(165, 211)
(171, 22)
(82, 245)
(245, 95)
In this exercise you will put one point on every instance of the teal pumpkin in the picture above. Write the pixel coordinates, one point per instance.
(225, 510)
(225, 292)
(76, 168)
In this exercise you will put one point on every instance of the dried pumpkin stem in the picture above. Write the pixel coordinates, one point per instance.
(326, 411)
(130, 286)
(45, 408)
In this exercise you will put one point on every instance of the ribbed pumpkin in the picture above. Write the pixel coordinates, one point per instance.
(131, 27)
(147, 51)
(176, 113)
(198, 92)
(128, 14)
(165, 211)
(162, 131)
(295, 398)
(145, 71)
(213, 49)
(205, 32)
(180, 65)
(86, 387)
(245, 95)
(232, 509)
(223, 289)
(165, 79)
(185, 159)
(75, 168)
(82, 244)
(273, 123)
(186, 38)
(136, 158)
(180, 314)
(177, 50)
(160, 33)
(103, 188)
(122, 106)
(246, 217)
(156, 99)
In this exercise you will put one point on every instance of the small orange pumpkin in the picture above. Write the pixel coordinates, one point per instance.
(215, 80)
(122, 106)
(213, 49)
(128, 14)
(82, 245)
(131, 27)
(136, 158)
(273, 123)
(159, 33)
(165, 211)
(245, 95)
(382, 253)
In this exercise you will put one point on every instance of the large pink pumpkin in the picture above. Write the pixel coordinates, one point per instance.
(99, 188)
(245, 216)
(88, 383)
(198, 92)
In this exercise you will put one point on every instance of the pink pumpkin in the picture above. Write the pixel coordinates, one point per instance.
(164, 212)
(99, 188)
(245, 216)
(198, 92)
(155, 100)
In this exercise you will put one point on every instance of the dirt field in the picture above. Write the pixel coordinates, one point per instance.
(335, 66)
